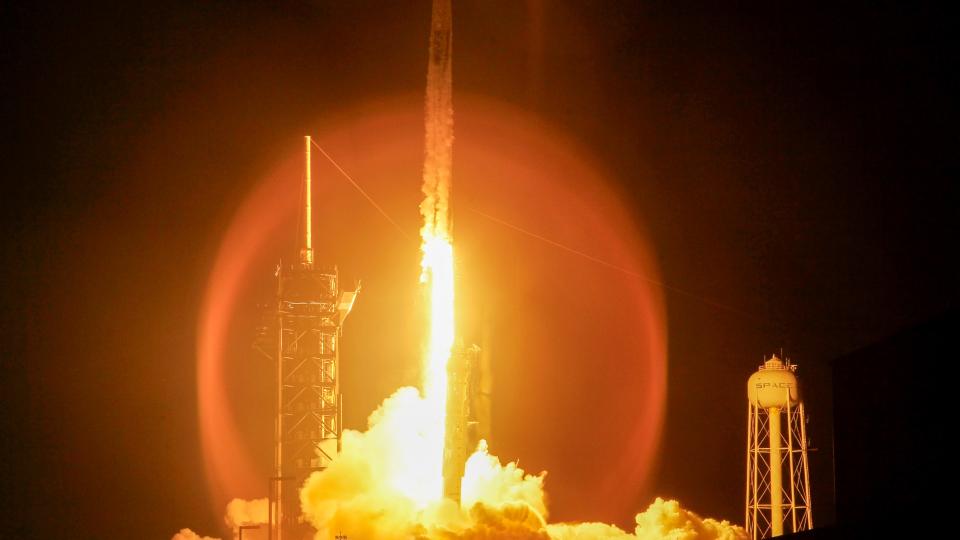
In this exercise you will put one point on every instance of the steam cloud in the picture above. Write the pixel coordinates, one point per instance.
(187, 534)
(359, 496)
(239, 512)
(243, 512)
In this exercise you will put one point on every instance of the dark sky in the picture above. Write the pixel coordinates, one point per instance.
(795, 163)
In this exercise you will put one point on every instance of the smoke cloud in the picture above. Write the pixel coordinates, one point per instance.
(239, 512)
(243, 512)
(187, 534)
(362, 493)
(663, 519)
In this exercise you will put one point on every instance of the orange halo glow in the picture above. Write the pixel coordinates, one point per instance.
(556, 322)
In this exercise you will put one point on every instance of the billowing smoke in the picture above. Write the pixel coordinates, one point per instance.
(243, 512)
(487, 482)
(370, 491)
(187, 534)
(661, 520)
(363, 493)
(239, 512)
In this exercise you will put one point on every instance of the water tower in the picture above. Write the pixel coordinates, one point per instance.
(778, 474)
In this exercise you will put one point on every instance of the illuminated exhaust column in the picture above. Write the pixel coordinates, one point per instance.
(772, 504)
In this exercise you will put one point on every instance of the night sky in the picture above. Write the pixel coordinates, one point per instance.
(793, 166)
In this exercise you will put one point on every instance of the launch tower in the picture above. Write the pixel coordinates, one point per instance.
(310, 310)
(464, 413)
(776, 503)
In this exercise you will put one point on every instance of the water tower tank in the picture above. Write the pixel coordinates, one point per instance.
(778, 478)
(773, 385)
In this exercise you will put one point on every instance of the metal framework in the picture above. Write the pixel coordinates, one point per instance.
(301, 337)
(464, 377)
(775, 505)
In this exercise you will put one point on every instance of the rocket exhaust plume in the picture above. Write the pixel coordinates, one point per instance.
(436, 241)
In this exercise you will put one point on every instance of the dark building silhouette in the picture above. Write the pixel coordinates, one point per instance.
(891, 426)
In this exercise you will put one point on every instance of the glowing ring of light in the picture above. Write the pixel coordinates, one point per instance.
(486, 132)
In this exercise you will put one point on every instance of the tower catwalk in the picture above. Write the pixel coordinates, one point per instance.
(310, 310)
(778, 475)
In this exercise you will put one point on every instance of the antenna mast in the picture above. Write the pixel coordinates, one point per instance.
(306, 252)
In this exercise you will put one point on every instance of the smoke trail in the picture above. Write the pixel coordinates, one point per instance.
(438, 147)
(437, 262)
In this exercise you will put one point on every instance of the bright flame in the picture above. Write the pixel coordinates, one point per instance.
(437, 274)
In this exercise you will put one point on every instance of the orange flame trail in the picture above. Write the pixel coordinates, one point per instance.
(437, 247)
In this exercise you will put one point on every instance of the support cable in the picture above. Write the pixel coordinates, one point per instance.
(361, 190)
(611, 265)
(537, 237)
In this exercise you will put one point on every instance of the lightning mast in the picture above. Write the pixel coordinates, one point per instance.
(308, 318)
(776, 503)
